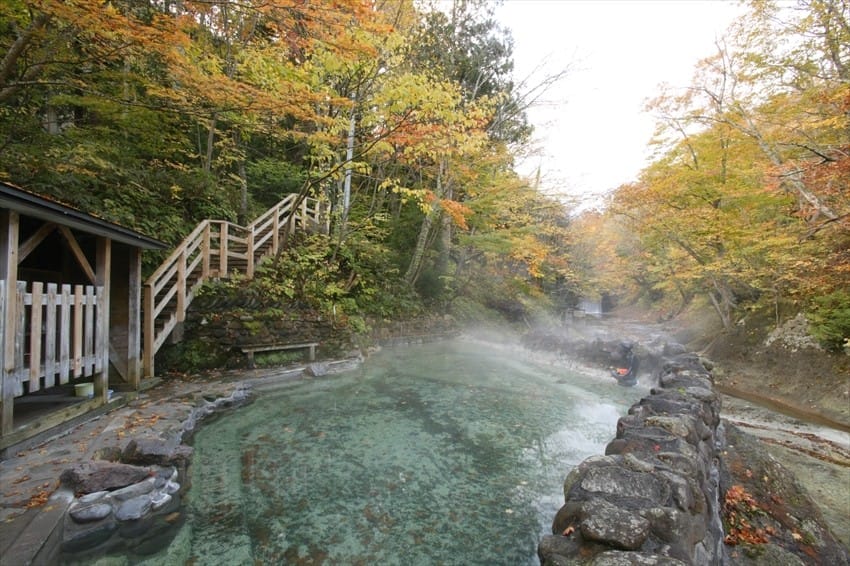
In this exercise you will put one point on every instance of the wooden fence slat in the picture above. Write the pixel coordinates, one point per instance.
(7, 398)
(50, 338)
(78, 331)
(35, 335)
(88, 333)
(65, 334)
(20, 326)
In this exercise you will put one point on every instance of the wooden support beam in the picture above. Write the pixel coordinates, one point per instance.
(33, 241)
(103, 280)
(78, 253)
(9, 234)
(134, 322)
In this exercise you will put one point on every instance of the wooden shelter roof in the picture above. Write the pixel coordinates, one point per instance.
(29, 204)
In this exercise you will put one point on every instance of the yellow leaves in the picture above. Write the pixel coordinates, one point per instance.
(530, 252)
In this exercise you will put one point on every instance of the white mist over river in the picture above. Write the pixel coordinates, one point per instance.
(445, 453)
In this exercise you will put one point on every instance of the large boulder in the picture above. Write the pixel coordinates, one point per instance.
(96, 475)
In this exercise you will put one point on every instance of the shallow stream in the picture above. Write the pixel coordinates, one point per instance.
(445, 453)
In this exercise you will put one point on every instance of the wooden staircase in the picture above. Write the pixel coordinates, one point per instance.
(216, 249)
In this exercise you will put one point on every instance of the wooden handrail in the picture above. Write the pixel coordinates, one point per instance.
(189, 265)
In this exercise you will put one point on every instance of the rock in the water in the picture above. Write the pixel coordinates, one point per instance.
(610, 525)
(88, 535)
(618, 558)
(133, 509)
(555, 550)
(618, 481)
(135, 490)
(317, 369)
(153, 451)
(89, 513)
(159, 500)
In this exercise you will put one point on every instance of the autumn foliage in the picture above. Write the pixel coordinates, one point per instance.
(747, 202)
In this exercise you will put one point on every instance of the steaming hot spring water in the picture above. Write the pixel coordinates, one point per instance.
(444, 453)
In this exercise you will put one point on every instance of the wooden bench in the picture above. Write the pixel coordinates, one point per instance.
(251, 350)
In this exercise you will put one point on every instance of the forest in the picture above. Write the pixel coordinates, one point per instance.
(406, 119)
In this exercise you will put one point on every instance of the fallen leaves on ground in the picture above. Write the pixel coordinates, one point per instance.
(738, 509)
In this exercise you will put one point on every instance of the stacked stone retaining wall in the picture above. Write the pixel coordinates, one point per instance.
(653, 497)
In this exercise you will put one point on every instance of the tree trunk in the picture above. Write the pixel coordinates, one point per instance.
(208, 154)
(415, 267)
(446, 230)
(722, 301)
(242, 172)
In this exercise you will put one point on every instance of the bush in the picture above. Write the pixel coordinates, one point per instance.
(830, 320)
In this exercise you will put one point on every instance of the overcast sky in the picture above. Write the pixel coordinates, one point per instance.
(593, 133)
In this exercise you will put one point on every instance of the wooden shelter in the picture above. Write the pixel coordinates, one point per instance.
(70, 308)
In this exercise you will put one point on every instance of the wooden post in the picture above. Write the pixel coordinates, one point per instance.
(9, 229)
(276, 230)
(103, 280)
(149, 332)
(205, 273)
(134, 328)
(222, 250)
(250, 254)
(181, 287)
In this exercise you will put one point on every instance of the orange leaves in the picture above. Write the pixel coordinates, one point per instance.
(739, 508)
(41, 497)
(457, 212)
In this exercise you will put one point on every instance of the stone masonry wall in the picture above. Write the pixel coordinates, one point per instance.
(652, 498)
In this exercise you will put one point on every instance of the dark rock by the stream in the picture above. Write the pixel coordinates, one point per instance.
(121, 505)
(90, 477)
(117, 516)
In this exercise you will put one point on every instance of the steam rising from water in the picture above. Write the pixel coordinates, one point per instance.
(446, 453)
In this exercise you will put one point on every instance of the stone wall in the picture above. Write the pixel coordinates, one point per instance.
(653, 497)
